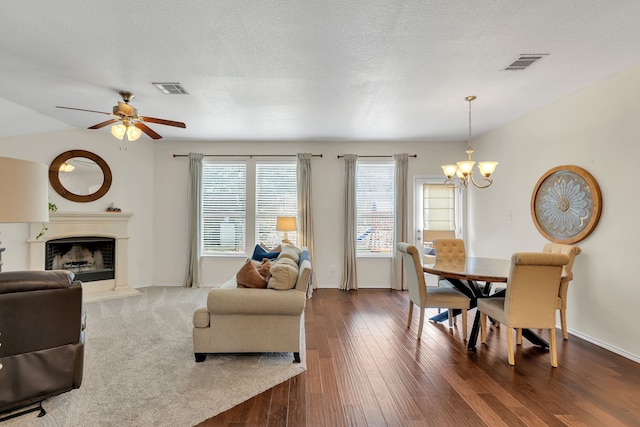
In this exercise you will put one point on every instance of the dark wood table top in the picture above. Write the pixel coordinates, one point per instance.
(472, 268)
(495, 270)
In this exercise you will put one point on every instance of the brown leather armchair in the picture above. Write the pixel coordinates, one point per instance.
(42, 322)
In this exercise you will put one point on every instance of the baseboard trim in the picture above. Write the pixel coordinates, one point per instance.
(604, 345)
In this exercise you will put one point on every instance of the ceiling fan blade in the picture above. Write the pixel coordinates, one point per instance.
(82, 109)
(126, 109)
(146, 129)
(103, 124)
(163, 122)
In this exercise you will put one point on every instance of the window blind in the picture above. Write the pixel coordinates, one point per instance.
(375, 207)
(276, 195)
(439, 206)
(224, 201)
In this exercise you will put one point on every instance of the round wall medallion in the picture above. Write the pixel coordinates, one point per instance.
(566, 204)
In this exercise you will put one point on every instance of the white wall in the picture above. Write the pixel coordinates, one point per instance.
(597, 129)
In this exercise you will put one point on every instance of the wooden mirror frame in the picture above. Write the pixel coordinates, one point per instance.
(54, 177)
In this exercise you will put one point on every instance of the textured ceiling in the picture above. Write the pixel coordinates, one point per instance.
(307, 69)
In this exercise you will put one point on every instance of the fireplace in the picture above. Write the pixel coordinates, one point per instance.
(94, 245)
(90, 258)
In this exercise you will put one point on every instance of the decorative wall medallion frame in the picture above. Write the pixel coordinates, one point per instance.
(566, 204)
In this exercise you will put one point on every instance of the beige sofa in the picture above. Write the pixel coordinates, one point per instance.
(238, 320)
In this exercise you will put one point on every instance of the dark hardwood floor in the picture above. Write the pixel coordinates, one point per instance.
(365, 368)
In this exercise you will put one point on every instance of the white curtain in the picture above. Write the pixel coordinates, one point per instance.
(400, 232)
(305, 212)
(349, 278)
(193, 220)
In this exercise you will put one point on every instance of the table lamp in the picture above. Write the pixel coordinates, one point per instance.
(24, 191)
(286, 224)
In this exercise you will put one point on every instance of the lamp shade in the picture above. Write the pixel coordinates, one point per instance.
(286, 223)
(24, 191)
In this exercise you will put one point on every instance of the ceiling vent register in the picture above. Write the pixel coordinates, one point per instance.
(171, 88)
(524, 61)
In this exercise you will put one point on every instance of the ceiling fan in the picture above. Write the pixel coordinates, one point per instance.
(131, 124)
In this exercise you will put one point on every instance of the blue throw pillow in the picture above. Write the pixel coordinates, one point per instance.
(259, 254)
(304, 255)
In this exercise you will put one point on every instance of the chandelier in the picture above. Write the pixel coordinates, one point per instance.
(464, 169)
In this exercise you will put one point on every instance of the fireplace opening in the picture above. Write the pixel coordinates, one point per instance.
(90, 258)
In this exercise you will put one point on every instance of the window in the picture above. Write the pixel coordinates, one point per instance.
(375, 211)
(224, 201)
(439, 208)
(276, 195)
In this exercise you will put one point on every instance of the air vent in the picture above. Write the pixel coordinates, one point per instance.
(170, 88)
(524, 61)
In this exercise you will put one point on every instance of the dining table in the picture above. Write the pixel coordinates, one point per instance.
(475, 277)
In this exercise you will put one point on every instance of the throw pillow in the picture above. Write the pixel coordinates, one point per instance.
(259, 254)
(264, 268)
(273, 249)
(249, 277)
(290, 251)
(284, 274)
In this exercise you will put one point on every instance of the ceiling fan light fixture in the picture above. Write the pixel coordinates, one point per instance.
(118, 130)
(133, 133)
(66, 167)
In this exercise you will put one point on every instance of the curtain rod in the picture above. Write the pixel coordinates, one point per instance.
(410, 155)
(251, 156)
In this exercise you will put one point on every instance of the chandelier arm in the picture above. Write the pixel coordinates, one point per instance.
(451, 183)
(489, 181)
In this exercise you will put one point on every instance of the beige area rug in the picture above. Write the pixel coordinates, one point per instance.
(139, 368)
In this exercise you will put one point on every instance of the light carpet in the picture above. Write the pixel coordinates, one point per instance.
(139, 368)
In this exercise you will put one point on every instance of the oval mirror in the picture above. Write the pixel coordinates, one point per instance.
(80, 176)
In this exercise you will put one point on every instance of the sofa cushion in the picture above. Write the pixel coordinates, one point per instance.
(249, 276)
(284, 274)
(290, 251)
(259, 253)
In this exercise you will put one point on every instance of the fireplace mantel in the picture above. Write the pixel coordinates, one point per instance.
(73, 224)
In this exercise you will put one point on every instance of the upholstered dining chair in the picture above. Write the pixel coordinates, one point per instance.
(530, 299)
(429, 297)
(571, 252)
(448, 250)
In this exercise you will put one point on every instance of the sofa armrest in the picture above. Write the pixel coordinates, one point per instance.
(255, 301)
(201, 317)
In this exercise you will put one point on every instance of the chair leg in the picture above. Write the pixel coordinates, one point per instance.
(421, 322)
(510, 350)
(563, 322)
(519, 336)
(483, 328)
(464, 324)
(450, 316)
(410, 314)
(552, 348)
